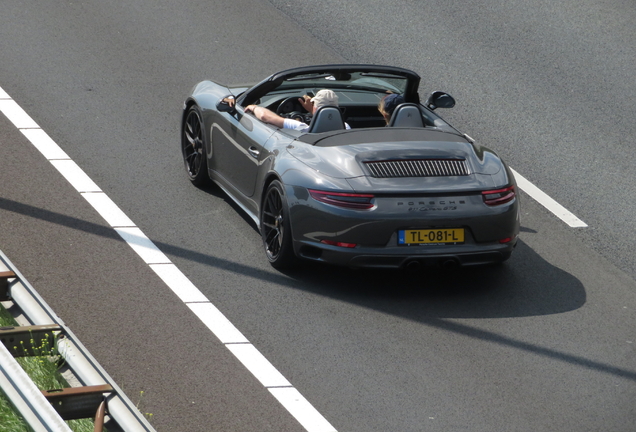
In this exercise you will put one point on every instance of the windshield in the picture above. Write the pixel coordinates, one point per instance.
(373, 81)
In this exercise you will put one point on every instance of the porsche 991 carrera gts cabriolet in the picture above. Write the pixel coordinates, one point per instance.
(410, 193)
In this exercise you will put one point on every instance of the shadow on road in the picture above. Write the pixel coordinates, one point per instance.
(526, 285)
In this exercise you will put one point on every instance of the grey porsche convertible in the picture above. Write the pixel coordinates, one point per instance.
(353, 189)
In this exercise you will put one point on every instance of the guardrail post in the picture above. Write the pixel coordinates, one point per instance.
(78, 402)
(26, 341)
(4, 284)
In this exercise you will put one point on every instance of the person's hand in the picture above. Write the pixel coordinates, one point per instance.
(306, 102)
(230, 101)
(250, 108)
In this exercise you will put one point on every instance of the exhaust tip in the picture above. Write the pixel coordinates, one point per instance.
(413, 265)
(450, 264)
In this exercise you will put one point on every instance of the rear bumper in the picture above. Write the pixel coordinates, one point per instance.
(406, 257)
(375, 232)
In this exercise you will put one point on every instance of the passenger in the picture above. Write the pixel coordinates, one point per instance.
(323, 98)
(388, 104)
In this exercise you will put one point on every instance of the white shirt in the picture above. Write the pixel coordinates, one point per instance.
(300, 126)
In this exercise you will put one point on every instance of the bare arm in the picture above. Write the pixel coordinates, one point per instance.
(265, 115)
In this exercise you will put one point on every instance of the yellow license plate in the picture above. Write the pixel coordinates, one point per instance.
(431, 236)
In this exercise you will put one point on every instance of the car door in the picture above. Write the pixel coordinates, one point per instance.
(237, 148)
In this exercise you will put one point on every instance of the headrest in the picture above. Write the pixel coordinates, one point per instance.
(327, 118)
(407, 115)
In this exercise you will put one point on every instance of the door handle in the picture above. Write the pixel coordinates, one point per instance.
(253, 151)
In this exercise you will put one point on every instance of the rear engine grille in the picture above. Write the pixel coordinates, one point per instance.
(418, 168)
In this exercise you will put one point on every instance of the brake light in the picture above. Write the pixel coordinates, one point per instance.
(499, 196)
(346, 200)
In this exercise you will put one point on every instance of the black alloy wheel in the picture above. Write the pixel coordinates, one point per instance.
(275, 227)
(192, 146)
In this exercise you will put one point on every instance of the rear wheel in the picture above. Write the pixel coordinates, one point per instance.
(193, 148)
(275, 227)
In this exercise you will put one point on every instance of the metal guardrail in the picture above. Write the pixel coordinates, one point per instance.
(26, 397)
(98, 396)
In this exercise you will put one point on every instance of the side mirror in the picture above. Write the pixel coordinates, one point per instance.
(226, 105)
(440, 99)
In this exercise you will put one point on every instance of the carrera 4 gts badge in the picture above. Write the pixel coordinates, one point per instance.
(424, 206)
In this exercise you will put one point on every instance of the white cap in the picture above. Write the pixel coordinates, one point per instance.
(325, 98)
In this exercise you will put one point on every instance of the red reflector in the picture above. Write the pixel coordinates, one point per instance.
(342, 199)
(339, 244)
(505, 240)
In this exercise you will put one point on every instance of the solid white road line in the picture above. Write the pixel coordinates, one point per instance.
(179, 283)
(44, 143)
(301, 409)
(260, 367)
(144, 247)
(16, 114)
(108, 209)
(187, 292)
(543, 199)
(217, 323)
(75, 175)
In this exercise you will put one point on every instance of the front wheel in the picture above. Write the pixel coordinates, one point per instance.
(193, 148)
(275, 227)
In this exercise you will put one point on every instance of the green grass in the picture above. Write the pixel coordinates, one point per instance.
(44, 371)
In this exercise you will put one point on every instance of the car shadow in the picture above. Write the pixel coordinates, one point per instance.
(525, 285)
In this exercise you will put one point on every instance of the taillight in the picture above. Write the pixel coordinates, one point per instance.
(499, 196)
(346, 200)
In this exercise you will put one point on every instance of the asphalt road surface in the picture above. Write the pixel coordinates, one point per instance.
(543, 343)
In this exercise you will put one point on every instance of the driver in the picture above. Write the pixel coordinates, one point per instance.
(323, 97)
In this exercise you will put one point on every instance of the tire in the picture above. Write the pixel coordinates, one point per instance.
(275, 227)
(193, 148)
